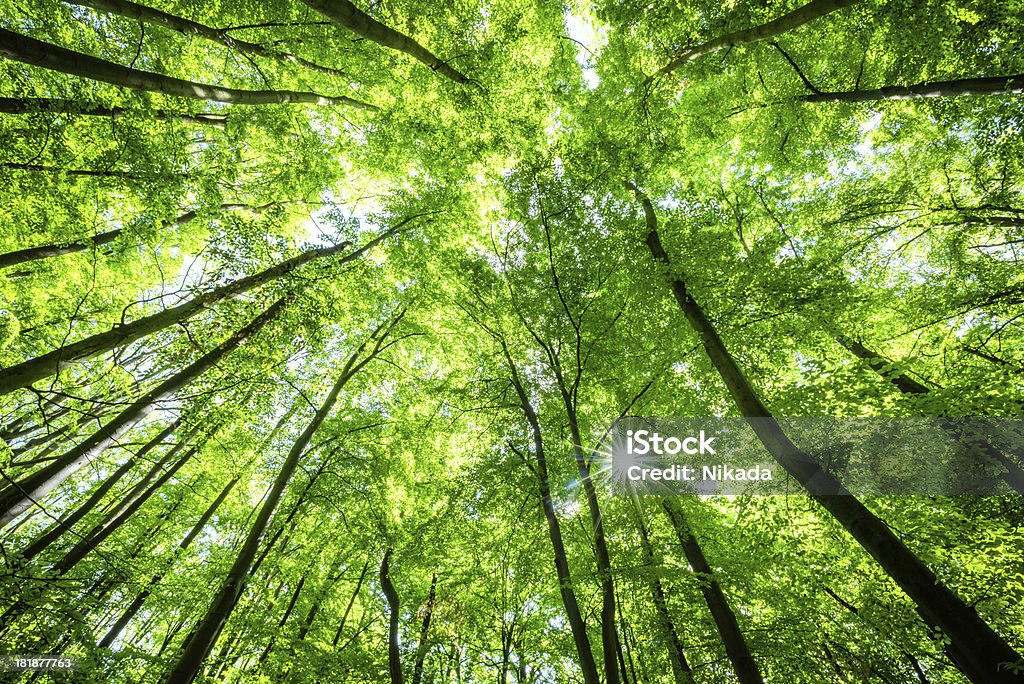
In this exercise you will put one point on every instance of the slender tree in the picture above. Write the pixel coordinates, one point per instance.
(721, 612)
(203, 638)
(421, 648)
(17, 497)
(983, 655)
(345, 14)
(31, 51)
(136, 605)
(394, 617)
(27, 372)
(90, 504)
(670, 635)
(990, 85)
(540, 469)
(150, 15)
(31, 105)
(787, 22)
(23, 256)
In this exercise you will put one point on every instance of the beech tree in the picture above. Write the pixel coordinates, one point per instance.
(320, 322)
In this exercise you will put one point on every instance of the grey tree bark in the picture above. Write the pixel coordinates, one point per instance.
(27, 50)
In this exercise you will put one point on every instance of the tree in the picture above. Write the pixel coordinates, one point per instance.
(411, 473)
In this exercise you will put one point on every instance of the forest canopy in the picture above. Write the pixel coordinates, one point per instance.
(316, 317)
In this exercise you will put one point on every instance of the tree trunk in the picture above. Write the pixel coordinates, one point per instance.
(609, 633)
(291, 522)
(21, 48)
(314, 609)
(22, 256)
(993, 85)
(30, 105)
(90, 173)
(33, 370)
(572, 610)
(205, 634)
(681, 671)
(394, 654)
(351, 17)
(30, 489)
(98, 591)
(154, 16)
(980, 653)
(787, 22)
(725, 620)
(137, 604)
(117, 517)
(421, 648)
(65, 524)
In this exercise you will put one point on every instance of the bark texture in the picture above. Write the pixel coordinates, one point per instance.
(21, 48)
(787, 22)
(992, 85)
(736, 647)
(391, 594)
(354, 19)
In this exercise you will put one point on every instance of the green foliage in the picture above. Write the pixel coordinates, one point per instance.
(799, 227)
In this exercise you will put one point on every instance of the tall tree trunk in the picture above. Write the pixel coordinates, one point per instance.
(577, 627)
(314, 609)
(91, 173)
(568, 389)
(609, 633)
(33, 370)
(736, 647)
(30, 105)
(421, 648)
(290, 523)
(676, 655)
(787, 22)
(394, 654)
(351, 17)
(66, 523)
(98, 591)
(21, 48)
(993, 85)
(137, 604)
(30, 489)
(118, 517)
(150, 15)
(22, 256)
(205, 635)
(979, 652)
